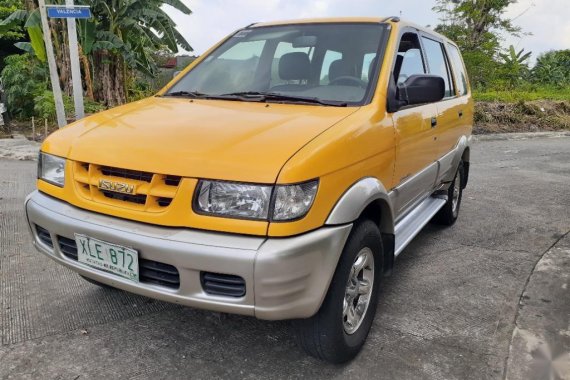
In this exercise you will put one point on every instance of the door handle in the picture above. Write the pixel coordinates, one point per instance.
(460, 114)
(433, 122)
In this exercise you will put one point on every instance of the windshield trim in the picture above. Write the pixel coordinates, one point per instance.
(372, 84)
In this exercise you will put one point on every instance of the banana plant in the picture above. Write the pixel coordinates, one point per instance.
(515, 65)
(512, 57)
(33, 26)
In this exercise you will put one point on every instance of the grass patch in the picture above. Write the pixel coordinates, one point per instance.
(530, 94)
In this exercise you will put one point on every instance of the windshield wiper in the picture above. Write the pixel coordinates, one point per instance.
(273, 96)
(187, 94)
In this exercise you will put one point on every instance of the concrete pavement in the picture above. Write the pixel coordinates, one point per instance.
(451, 309)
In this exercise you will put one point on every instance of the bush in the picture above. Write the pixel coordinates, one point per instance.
(553, 68)
(23, 79)
(44, 106)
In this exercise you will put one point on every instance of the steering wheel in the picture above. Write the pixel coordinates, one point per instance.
(348, 80)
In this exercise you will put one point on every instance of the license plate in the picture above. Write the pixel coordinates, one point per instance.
(122, 261)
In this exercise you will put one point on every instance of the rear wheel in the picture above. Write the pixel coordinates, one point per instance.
(339, 329)
(449, 213)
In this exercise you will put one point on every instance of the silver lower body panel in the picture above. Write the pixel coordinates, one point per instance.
(285, 278)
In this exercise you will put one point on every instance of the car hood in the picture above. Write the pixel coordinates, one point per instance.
(228, 140)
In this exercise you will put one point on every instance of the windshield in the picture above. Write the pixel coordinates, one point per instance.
(319, 63)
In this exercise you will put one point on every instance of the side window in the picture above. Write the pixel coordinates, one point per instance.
(330, 57)
(282, 49)
(438, 64)
(458, 69)
(409, 59)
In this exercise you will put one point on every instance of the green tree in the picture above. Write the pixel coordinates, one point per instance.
(119, 40)
(23, 77)
(553, 68)
(11, 30)
(475, 25)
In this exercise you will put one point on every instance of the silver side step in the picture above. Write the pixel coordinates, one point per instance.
(407, 228)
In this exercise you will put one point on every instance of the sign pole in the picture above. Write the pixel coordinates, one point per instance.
(75, 69)
(59, 108)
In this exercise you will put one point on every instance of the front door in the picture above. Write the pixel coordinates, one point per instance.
(415, 170)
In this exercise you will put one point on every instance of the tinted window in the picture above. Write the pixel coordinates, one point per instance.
(438, 64)
(458, 69)
(367, 66)
(233, 70)
(291, 60)
(409, 60)
(330, 57)
(282, 49)
(412, 63)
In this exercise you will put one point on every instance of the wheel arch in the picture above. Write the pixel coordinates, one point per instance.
(368, 198)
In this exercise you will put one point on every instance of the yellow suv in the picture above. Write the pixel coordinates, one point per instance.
(278, 176)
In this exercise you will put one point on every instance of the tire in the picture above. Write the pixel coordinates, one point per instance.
(328, 335)
(104, 286)
(449, 213)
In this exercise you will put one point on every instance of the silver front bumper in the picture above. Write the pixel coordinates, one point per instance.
(285, 277)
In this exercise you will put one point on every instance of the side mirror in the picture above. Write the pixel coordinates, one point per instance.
(421, 89)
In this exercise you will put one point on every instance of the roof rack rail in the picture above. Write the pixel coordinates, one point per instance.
(392, 18)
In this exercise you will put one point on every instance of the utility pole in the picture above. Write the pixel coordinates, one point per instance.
(75, 69)
(59, 108)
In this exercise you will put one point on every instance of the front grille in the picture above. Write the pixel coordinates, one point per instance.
(126, 173)
(138, 199)
(159, 273)
(223, 284)
(150, 272)
(172, 180)
(44, 236)
(150, 192)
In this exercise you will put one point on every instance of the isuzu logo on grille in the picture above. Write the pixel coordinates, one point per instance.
(117, 187)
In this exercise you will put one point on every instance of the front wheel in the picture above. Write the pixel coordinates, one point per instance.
(339, 329)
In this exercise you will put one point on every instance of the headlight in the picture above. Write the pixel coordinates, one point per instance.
(248, 201)
(51, 169)
(294, 201)
(234, 199)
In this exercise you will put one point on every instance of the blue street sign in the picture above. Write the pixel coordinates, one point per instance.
(59, 11)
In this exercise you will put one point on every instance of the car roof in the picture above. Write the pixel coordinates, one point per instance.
(327, 20)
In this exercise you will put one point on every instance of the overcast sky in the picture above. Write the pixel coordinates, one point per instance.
(212, 20)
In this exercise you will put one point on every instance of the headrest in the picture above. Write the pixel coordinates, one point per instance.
(295, 66)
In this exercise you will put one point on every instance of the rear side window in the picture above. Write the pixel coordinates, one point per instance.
(458, 69)
(437, 63)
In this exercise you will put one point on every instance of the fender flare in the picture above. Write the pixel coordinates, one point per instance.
(357, 198)
(450, 162)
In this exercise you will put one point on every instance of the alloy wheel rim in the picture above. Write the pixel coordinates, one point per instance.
(358, 291)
